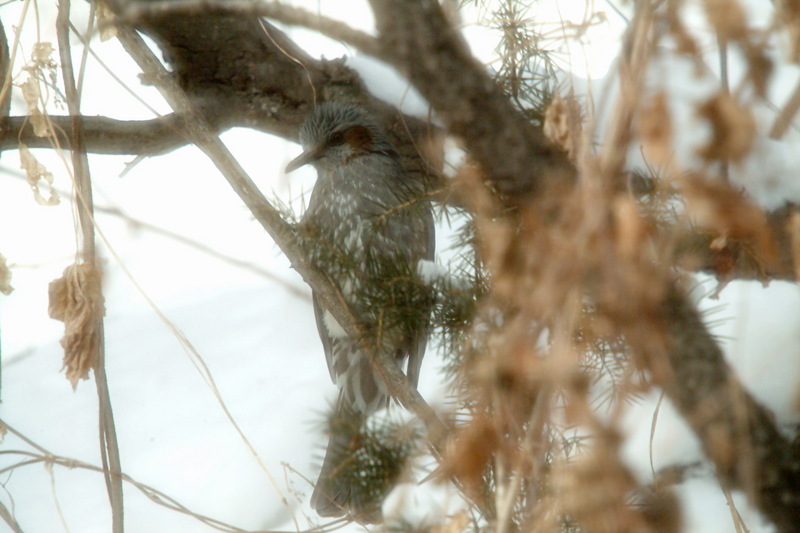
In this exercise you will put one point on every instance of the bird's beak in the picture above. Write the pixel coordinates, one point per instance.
(309, 156)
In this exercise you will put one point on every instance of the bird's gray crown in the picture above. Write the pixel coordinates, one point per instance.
(331, 118)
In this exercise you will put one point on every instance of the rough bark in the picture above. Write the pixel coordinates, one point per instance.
(737, 433)
(241, 70)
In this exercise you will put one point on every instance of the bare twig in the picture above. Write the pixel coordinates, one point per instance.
(292, 288)
(5, 70)
(9, 519)
(12, 54)
(785, 118)
(155, 495)
(109, 448)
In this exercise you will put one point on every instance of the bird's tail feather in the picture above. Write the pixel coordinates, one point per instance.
(338, 491)
(331, 496)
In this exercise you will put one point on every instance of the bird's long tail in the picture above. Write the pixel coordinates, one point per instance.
(338, 491)
(332, 493)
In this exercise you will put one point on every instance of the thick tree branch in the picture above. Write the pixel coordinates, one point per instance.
(294, 16)
(518, 160)
(736, 432)
(253, 75)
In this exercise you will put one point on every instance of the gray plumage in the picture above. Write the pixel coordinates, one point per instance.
(368, 226)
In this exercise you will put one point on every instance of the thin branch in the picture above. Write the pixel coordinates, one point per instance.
(8, 518)
(5, 75)
(109, 447)
(158, 497)
(290, 287)
(784, 120)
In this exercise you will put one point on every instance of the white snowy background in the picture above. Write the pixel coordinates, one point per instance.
(256, 332)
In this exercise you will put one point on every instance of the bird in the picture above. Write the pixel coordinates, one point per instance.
(367, 225)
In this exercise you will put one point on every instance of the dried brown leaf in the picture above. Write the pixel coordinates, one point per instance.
(106, 21)
(37, 173)
(733, 128)
(632, 230)
(76, 299)
(789, 14)
(32, 96)
(562, 124)
(732, 219)
(5, 277)
(41, 56)
(655, 129)
(759, 67)
(728, 19)
(469, 453)
(594, 490)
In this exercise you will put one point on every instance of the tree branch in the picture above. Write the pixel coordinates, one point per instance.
(518, 160)
(109, 447)
(138, 12)
(737, 434)
(103, 135)
(5, 76)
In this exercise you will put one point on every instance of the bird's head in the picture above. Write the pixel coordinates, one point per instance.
(335, 133)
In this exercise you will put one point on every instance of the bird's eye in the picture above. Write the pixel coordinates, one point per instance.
(336, 139)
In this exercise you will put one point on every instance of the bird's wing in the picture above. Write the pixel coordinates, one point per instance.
(324, 334)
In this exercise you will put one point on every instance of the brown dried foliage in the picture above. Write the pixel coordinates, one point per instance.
(655, 129)
(789, 15)
(5, 277)
(595, 490)
(740, 230)
(544, 261)
(76, 299)
(563, 124)
(593, 265)
(733, 129)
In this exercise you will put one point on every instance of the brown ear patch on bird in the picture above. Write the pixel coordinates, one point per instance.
(359, 138)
